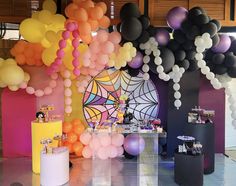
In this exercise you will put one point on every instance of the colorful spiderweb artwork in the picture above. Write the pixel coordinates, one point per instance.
(101, 98)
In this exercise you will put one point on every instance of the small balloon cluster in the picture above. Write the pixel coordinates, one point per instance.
(73, 130)
(11, 75)
(67, 91)
(27, 53)
(102, 145)
(90, 17)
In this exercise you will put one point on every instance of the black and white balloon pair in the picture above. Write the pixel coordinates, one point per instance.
(151, 46)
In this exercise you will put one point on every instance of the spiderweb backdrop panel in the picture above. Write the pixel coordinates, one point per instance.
(101, 98)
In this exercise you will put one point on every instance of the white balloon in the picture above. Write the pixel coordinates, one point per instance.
(148, 52)
(176, 86)
(205, 70)
(176, 80)
(160, 69)
(162, 75)
(141, 46)
(177, 95)
(216, 86)
(171, 74)
(167, 78)
(146, 76)
(158, 60)
(181, 70)
(210, 75)
(198, 56)
(175, 68)
(146, 59)
(206, 36)
(201, 63)
(199, 42)
(147, 45)
(200, 49)
(208, 43)
(214, 81)
(152, 40)
(145, 68)
(177, 103)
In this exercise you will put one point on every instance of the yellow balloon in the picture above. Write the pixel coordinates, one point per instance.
(83, 48)
(49, 55)
(35, 15)
(67, 60)
(13, 87)
(32, 30)
(11, 75)
(45, 17)
(26, 76)
(51, 36)
(59, 19)
(10, 61)
(50, 5)
(45, 43)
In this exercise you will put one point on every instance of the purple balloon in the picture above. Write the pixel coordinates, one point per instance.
(175, 17)
(162, 37)
(223, 45)
(134, 144)
(137, 61)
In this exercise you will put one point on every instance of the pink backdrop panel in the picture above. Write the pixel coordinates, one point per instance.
(18, 110)
(39, 80)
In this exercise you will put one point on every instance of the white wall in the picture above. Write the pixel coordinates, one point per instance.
(230, 132)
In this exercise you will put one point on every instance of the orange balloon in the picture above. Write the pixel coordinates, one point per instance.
(104, 22)
(84, 28)
(69, 10)
(38, 62)
(94, 24)
(86, 4)
(30, 61)
(67, 127)
(29, 53)
(37, 47)
(103, 6)
(79, 153)
(71, 137)
(76, 122)
(77, 146)
(86, 38)
(20, 46)
(95, 13)
(78, 129)
(81, 14)
(13, 51)
(69, 146)
(20, 59)
(77, 1)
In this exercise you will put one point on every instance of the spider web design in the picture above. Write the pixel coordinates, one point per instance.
(101, 98)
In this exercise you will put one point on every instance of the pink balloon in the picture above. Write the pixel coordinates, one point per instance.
(94, 47)
(99, 67)
(67, 82)
(76, 71)
(94, 144)
(81, 89)
(115, 37)
(23, 85)
(68, 101)
(47, 90)
(54, 76)
(60, 53)
(87, 152)
(52, 83)
(102, 153)
(66, 74)
(68, 109)
(112, 151)
(68, 92)
(92, 65)
(39, 93)
(75, 53)
(84, 71)
(30, 90)
(70, 26)
(62, 43)
(93, 72)
(103, 59)
(85, 138)
(58, 61)
(75, 62)
(108, 47)
(66, 34)
(87, 54)
(105, 139)
(117, 140)
(120, 151)
(86, 62)
(75, 42)
(102, 36)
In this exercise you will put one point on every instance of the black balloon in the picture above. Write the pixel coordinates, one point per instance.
(193, 65)
(197, 8)
(144, 37)
(232, 72)
(173, 45)
(230, 60)
(145, 21)
(210, 65)
(133, 72)
(131, 29)
(201, 19)
(233, 47)
(186, 25)
(217, 23)
(215, 40)
(218, 59)
(210, 28)
(129, 10)
(193, 32)
(194, 12)
(188, 45)
(185, 64)
(180, 55)
(190, 55)
(168, 59)
(151, 30)
(179, 36)
(209, 54)
(220, 70)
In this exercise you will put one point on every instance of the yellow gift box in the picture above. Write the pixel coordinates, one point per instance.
(41, 131)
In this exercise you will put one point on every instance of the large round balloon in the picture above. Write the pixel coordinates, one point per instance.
(134, 144)
(168, 59)
(129, 10)
(175, 17)
(131, 28)
(137, 61)
(162, 37)
(223, 45)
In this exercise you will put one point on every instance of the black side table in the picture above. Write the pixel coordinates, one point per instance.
(189, 169)
(205, 133)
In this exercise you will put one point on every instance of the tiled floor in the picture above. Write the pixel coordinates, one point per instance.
(116, 172)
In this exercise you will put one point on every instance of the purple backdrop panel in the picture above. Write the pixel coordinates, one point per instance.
(18, 110)
(212, 99)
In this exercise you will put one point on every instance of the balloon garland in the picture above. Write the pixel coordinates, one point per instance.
(42, 92)
(67, 92)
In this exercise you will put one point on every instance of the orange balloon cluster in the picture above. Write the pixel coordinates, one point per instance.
(73, 130)
(27, 53)
(90, 17)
